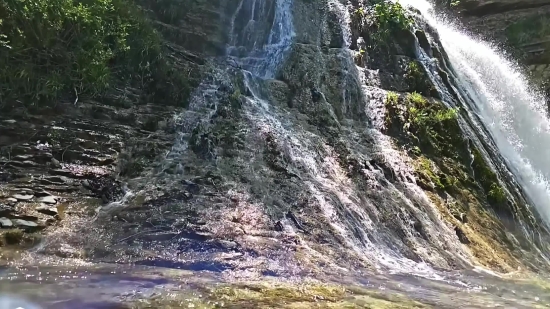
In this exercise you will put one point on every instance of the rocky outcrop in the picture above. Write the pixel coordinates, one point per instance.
(70, 161)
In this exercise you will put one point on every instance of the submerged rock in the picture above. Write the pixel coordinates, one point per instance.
(5, 223)
(24, 223)
(24, 198)
(48, 210)
(48, 199)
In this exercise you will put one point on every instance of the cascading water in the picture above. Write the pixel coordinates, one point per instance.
(355, 212)
(256, 52)
(338, 201)
(508, 107)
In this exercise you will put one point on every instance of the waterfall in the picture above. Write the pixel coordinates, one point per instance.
(513, 112)
(255, 51)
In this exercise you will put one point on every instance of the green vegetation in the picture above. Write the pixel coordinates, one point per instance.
(55, 49)
(390, 17)
(426, 170)
(225, 132)
(443, 164)
(528, 30)
(434, 128)
(432, 121)
(16, 237)
(488, 180)
(418, 81)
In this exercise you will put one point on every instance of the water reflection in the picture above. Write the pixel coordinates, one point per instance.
(116, 286)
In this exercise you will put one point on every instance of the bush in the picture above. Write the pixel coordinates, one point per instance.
(391, 17)
(420, 115)
(50, 48)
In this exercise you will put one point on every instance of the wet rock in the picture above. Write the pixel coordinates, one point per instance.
(5, 209)
(50, 221)
(23, 157)
(279, 226)
(62, 172)
(107, 188)
(24, 217)
(25, 198)
(228, 245)
(192, 187)
(57, 179)
(48, 199)
(55, 163)
(461, 235)
(86, 184)
(11, 201)
(23, 164)
(461, 217)
(5, 223)
(25, 224)
(47, 210)
(424, 42)
(5, 176)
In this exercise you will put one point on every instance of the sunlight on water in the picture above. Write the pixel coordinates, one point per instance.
(513, 112)
(10, 302)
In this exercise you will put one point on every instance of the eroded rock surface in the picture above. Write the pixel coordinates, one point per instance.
(298, 167)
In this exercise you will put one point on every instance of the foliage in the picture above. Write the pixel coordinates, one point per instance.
(435, 128)
(391, 17)
(13, 237)
(420, 117)
(497, 194)
(52, 48)
(167, 11)
(528, 30)
(418, 81)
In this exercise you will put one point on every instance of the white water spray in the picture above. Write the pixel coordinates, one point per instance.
(512, 111)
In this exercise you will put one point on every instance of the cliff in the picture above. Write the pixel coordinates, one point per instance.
(285, 138)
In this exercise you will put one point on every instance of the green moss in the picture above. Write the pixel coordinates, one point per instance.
(443, 163)
(528, 30)
(418, 80)
(496, 194)
(13, 237)
(426, 171)
(248, 296)
(428, 122)
(16, 237)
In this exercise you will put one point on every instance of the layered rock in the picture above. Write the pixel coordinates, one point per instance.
(307, 170)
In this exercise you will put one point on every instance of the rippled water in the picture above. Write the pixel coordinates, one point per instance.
(108, 286)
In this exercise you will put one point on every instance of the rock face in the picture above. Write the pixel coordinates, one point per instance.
(522, 26)
(294, 154)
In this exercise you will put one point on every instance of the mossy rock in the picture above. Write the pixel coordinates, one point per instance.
(448, 166)
(268, 295)
(17, 237)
